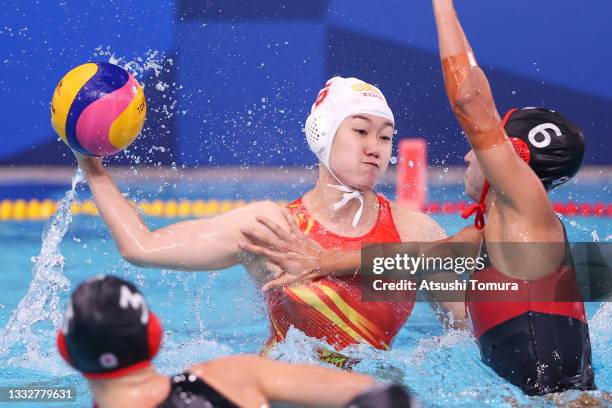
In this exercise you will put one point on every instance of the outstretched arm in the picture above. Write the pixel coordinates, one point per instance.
(302, 259)
(203, 244)
(241, 377)
(520, 191)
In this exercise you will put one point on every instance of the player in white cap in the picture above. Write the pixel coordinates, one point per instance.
(350, 129)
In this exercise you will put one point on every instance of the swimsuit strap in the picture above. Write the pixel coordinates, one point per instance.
(190, 391)
(384, 396)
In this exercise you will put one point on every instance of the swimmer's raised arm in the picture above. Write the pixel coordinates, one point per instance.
(470, 96)
(202, 244)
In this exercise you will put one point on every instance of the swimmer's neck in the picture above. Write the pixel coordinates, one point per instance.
(145, 387)
(490, 201)
(320, 201)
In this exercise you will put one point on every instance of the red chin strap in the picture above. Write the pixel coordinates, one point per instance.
(479, 208)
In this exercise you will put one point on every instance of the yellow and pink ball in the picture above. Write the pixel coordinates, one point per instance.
(98, 109)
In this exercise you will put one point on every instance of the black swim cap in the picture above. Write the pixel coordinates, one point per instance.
(556, 145)
(108, 329)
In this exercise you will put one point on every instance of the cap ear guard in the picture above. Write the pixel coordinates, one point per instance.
(521, 148)
(61, 347)
(154, 334)
(315, 130)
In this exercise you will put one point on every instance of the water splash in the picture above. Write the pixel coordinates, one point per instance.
(600, 330)
(297, 348)
(39, 313)
(176, 355)
(153, 64)
(193, 295)
(445, 370)
(152, 60)
(601, 323)
(153, 70)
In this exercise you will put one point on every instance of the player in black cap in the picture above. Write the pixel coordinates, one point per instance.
(556, 145)
(527, 336)
(549, 143)
(110, 335)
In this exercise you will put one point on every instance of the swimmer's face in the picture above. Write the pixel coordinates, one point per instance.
(361, 150)
(474, 177)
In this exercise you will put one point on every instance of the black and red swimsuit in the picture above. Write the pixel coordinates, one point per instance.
(540, 346)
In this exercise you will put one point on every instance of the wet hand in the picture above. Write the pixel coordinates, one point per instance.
(297, 255)
(79, 156)
(83, 157)
(284, 279)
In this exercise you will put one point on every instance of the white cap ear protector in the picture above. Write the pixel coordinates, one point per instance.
(341, 98)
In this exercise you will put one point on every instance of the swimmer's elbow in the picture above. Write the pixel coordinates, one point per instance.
(471, 96)
(137, 252)
(467, 102)
(132, 255)
(138, 246)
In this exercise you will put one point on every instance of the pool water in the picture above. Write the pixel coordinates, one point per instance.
(208, 315)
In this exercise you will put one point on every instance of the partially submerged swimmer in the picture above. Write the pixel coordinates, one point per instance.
(537, 338)
(350, 129)
(111, 335)
(540, 345)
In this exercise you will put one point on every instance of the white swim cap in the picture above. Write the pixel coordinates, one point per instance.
(341, 98)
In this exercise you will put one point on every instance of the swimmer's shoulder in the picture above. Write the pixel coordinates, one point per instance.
(233, 376)
(414, 225)
(222, 366)
(234, 366)
(265, 208)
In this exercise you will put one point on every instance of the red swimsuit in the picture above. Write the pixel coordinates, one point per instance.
(331, 309)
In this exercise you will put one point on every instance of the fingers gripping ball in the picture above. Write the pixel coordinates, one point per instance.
(98, 109)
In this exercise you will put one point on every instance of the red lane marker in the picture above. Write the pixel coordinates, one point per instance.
(559, 208)
(434, 207)
(448, 208)
(569, 209)
(585, 209)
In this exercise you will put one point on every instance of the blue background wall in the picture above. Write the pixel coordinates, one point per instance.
(246, 73)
